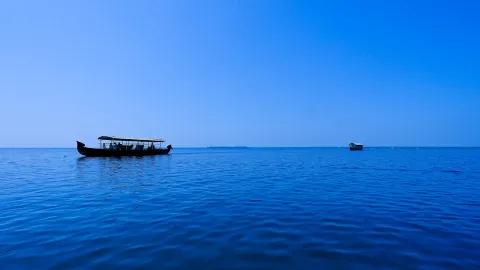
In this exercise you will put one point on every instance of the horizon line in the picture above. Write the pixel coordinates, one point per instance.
(212, 147)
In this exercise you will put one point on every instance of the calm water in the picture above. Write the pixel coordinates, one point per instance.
(310, 208)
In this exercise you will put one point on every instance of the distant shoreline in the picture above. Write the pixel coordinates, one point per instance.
(227, 147)
(249, 147)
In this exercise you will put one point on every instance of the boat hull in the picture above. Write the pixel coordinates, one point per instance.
(356, 147)
(97, 152)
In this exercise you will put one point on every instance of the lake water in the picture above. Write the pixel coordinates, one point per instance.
(254, 208)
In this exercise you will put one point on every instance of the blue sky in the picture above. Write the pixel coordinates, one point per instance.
(258, 73)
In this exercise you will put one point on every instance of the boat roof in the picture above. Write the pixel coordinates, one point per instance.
(114, 138)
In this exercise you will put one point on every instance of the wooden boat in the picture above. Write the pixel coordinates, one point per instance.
(355, 147)
(117, 146)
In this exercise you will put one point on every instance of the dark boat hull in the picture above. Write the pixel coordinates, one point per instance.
(356, 147)
(97, 152)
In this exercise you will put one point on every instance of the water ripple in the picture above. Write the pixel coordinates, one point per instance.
(285, 208)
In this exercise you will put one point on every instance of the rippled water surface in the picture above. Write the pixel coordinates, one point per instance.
(303, 208)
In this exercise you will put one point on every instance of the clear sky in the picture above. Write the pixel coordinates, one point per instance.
(257, 73)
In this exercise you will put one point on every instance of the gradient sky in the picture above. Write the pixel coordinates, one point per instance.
(257, 73)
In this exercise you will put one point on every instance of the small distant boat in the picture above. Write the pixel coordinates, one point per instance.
(117, 146)
(355, 147)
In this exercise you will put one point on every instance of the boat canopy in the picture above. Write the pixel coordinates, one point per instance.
(113, 138)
